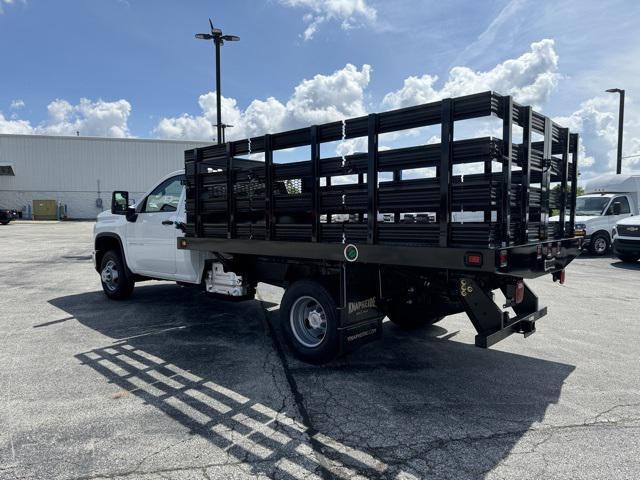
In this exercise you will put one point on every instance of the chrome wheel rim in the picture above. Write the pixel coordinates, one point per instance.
(600, 245)
(110, 275)
(308, 321)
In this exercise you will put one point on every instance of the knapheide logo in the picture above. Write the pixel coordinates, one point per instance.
(361, 305)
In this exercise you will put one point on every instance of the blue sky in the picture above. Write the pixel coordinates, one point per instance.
(137, 66)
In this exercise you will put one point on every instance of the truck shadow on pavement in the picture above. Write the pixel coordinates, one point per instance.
(409, 406)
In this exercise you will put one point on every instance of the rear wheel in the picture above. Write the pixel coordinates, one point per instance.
(117, 281)
(599, 244)
(628, 258)
(410, 316)
(310, 321)
(5, 222)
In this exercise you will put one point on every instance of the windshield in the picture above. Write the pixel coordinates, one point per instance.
(590, 206)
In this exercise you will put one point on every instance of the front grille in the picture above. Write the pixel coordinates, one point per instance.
(629, 230)
(628, 243)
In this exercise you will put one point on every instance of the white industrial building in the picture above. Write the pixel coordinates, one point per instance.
(81, 172)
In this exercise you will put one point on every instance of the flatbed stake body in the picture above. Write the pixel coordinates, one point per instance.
(358, 237)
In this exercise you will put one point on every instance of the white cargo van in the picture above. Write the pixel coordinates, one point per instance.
(608, 199)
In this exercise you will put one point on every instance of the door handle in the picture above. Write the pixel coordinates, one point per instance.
(167, 222)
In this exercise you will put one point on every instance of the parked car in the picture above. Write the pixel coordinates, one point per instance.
(626, 239)
(7, 215)
(608, 199)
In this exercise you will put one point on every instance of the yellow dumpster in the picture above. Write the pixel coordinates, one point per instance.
(45, 210)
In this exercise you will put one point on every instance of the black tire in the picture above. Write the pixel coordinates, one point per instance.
(5, 223)
(599, 244)
(327, 347)
(410, 316)
(120, 287)
(628, 258)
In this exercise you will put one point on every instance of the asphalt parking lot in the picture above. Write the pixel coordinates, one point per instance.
(172, 384)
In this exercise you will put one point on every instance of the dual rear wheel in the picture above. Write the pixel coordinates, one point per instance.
(309, 318)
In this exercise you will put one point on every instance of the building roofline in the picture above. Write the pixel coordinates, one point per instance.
(111, 139)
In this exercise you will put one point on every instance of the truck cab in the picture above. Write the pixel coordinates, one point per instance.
(136, 242)
(608, 200)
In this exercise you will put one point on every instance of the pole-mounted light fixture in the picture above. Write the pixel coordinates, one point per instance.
(218, 40)
(620, 127)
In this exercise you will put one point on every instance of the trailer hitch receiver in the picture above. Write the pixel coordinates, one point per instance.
(493, 324)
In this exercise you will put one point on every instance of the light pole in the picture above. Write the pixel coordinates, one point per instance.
(224, 127)
(620, 127)
(218, 40)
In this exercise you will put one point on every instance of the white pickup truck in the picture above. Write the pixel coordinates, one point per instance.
(626, 239)
(608, 200)
(148, 244)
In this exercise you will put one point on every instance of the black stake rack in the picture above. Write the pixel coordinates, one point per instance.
(230, 197)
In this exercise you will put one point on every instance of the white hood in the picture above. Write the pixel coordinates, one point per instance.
(635, 220)
(579, 218)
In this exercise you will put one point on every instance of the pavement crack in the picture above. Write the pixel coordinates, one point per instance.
(298, 398)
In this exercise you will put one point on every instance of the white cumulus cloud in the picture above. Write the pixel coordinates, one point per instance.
(17, 104)
(8, 2)
(99, 119)
(597, 122)
(530, 78)
(350, 13)
(321, 99)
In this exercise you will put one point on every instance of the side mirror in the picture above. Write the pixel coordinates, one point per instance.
(119, 202)
(131, 214)
(617, 208)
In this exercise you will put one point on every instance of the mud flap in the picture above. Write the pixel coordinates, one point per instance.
(360, 314)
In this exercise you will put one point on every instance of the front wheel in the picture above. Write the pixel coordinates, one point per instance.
(628, 258)
(117, 281)
(5, 222)
(310, 321)
(410, 316)
(599, 244)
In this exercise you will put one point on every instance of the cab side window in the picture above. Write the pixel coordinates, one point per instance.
(624, 205)
(166, 196)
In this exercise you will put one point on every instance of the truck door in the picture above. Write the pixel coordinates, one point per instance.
(625, 210)
(151, 239)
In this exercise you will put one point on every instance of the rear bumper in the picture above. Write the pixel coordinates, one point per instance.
(537, 259)
(626, 247)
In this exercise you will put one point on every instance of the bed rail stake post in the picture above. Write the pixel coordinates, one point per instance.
(564, 175)
(546, 178)
(315, 188)
(231, 221)
(574, 182)
(445, 171)
(507, 156)
(197, 155)
(268, 187)
(526, 175)
(372, 180)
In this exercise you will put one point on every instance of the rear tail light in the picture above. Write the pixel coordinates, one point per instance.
(473, 259)
(539, 251)
(519, 296)
(559, 276)
(504, 258)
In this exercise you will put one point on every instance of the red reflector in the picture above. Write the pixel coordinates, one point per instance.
(519, 292)
(504, 259)
(474, 259)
